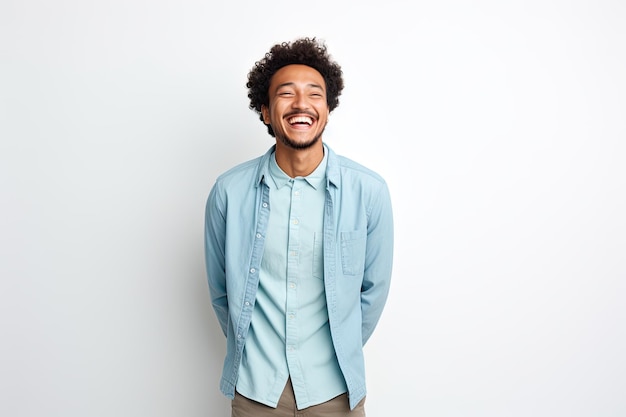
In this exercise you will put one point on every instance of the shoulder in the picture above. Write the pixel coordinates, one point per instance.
(236, 183)
(246, 173)
(346, 171)
(360, 186)
(354, 169)
(241, 172)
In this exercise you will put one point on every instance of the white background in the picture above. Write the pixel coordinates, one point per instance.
(499, 126)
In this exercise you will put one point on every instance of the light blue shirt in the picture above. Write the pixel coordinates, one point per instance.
(289, 334)
(357, 258)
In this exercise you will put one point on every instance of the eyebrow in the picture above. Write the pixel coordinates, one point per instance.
(290, 84)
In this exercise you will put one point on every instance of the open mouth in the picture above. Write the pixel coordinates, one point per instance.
(300, 121)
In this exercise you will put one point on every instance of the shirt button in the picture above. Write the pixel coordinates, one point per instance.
(295, 221)
(247, 303)
(238, 336)
(264, 204)
(292, 285)
(252, 270)
(297, 193)
(258, 235)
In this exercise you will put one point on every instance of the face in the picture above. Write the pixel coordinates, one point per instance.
(298, 111)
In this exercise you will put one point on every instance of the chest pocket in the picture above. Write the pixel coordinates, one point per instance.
(353, 252)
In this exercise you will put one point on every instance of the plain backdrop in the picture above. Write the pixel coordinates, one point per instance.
(499, 126)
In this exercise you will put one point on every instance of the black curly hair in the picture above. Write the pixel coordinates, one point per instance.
(306, 51)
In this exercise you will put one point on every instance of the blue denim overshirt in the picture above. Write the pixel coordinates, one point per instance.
(358, 258)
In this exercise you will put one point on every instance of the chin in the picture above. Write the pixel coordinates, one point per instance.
(299, 145)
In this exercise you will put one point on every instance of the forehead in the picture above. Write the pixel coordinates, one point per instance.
(297, 74)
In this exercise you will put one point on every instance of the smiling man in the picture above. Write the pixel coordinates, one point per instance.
(299, 111)
(299, 247)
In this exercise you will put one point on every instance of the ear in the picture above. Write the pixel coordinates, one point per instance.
(266, 114)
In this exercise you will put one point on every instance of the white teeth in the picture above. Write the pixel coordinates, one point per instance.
(301, 119)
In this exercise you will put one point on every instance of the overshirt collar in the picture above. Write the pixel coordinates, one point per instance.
(315, 179)
(277, 176)
(332, 174)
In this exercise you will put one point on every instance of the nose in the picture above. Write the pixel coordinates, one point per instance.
(300, 102)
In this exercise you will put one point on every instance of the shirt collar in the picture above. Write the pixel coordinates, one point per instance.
(315, 179)
(333, 176)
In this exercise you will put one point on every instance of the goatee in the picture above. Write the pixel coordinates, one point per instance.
(299, 145)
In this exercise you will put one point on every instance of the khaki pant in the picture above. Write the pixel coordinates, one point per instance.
(337, 407)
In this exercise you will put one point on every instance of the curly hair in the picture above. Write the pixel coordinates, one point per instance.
(306, 51)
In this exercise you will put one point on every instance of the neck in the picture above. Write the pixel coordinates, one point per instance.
(299, 162)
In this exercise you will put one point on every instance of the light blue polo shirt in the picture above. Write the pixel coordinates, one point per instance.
(289, 333)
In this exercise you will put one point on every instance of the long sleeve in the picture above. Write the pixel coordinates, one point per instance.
(214, 246)
(378, 262)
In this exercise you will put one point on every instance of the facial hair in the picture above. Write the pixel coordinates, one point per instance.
(290, 143)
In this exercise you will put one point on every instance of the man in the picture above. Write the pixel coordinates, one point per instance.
(299, 249)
